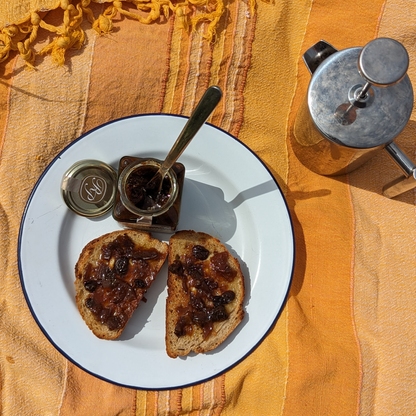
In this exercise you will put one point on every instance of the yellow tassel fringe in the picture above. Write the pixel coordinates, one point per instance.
(20, 37)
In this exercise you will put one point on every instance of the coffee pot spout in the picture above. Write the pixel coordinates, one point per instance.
(316, 54)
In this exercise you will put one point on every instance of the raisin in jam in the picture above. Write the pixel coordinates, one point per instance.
(139, 204)
(206, 296)
(118, 281)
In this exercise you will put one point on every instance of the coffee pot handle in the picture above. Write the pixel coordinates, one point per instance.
(316, 54)
(407, 181)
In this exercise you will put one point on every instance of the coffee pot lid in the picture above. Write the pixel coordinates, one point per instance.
(362, 97)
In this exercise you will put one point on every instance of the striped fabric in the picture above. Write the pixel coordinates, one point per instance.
(344, 343)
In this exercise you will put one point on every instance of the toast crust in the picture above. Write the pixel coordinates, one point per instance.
(112, 274)
(192, 279)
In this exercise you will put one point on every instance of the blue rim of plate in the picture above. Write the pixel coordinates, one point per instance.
(68, 357)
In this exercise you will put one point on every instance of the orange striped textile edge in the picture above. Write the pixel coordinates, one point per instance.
(6, 81)
(45, 111)
(195, 65)
(257, 386)
(137, 73)
(325, 366)
(384, 285)
(206, 399)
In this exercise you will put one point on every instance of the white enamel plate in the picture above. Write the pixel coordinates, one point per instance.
(228, 193)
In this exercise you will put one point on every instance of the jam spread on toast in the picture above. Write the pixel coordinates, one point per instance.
(205, 281)
(118, 281)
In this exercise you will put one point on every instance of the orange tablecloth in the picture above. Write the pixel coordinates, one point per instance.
(345, 341)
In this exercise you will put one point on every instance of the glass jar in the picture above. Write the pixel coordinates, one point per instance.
(140, 206)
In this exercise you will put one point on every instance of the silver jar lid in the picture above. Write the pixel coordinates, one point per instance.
(88, 187)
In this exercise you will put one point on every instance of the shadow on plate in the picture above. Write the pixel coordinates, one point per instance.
(205, 209)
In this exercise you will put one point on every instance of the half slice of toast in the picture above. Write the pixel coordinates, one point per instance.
(112, 275)
(205, 293)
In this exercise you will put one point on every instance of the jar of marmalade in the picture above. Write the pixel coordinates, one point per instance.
(139, 204)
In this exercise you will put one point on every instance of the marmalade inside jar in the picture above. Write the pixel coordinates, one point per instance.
(142, 189)
(166, 222)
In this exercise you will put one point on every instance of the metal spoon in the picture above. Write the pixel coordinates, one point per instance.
(199, 116)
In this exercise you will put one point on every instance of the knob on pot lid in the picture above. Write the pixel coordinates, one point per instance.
(383, 62)
(362, 97)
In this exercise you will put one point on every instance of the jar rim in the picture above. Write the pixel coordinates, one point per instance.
(153, 212)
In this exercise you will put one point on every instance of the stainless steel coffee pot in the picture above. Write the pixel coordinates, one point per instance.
(358, 101)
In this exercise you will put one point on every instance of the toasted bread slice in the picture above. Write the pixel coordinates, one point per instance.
(112, 275)
(205, 293)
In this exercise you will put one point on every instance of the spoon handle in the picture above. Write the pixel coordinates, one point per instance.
(199, 116)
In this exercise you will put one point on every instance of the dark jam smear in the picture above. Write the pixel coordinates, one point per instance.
(143, 192)
(207, 299)
(118, 282)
